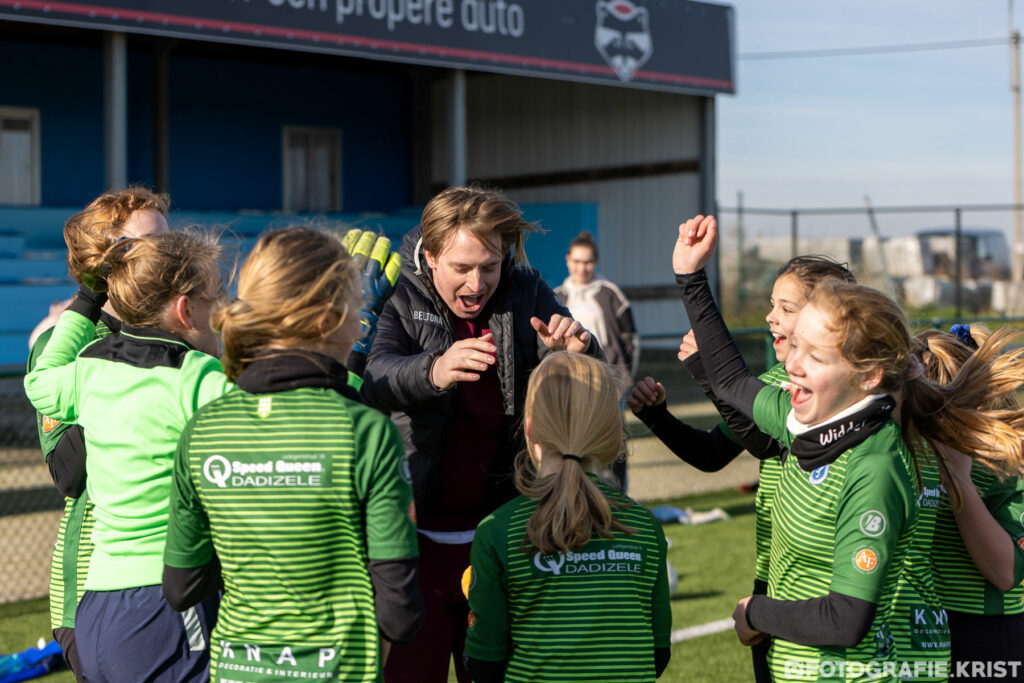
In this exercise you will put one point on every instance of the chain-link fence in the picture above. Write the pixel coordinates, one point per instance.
(30, 506)
(936, 260)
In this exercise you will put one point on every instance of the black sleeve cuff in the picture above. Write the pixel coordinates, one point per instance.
(183, 588)
(88, 304)
(67, 462)
(661, 657)
(834, 620)
(482, 671)
(397, 599)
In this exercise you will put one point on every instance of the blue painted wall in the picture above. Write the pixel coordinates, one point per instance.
(225, 137)
(65, 82)
(226, 118)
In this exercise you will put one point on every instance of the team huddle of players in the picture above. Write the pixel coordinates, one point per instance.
(364, 466)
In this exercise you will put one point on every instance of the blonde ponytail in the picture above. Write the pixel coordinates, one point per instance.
(572, 405)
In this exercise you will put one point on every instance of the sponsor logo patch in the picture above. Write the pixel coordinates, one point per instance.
(818, 475)
(412, 511)
(472, 620)
(623, 558)
(872, 523)
(265, 406)
(286, 471)
(1020, 543)
(865, 560)
(49, 424)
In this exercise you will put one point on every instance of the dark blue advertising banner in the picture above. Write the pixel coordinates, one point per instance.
(673, 45)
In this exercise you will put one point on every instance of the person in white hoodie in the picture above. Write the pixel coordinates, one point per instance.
(604, 310)
(599, 305)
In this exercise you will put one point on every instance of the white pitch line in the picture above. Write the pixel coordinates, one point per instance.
(702, 630)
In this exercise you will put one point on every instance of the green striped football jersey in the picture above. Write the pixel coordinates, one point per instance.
(769, 470)
(593, 614)
(961, 586)
(919, 623)
(843, 527)
(70, 562)
(295, 491)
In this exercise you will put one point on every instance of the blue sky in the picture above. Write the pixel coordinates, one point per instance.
(911, 128)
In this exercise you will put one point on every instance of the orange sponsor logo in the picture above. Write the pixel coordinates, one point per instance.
(866, 560)
(472, 620)
(1020, 543)
(49, 424)
(412, 511)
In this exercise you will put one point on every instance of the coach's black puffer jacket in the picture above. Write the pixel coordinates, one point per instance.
(416, 326)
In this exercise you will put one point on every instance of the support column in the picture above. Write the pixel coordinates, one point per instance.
(707, 171)
(161, 119)
(115, 110)
(457, 128)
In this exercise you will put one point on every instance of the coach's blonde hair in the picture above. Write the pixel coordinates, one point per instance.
(294, 288)
(143, 274)
(483, 213)
(572, 405)
(94, 229)
(875, 335)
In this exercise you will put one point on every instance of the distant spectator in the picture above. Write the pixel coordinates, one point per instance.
(599, 304)
(602, 308)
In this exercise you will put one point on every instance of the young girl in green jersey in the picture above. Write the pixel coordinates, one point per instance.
(844, 507)
(712, 450)
(290, 489)
(132, 392)
(132, 212)
(568, 581)
(977, 556)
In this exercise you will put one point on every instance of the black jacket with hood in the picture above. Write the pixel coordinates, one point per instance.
(416, 326)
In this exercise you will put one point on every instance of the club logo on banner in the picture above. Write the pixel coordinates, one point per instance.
(623, 36)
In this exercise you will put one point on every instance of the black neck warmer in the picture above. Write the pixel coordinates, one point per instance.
(823, 444)
(286, 370)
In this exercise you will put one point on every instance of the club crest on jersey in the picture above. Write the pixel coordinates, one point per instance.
(265, 406)
(818, 475)
(623, 36)
(872, 523)
(49, 424)
(1022, 519)
(865, 560)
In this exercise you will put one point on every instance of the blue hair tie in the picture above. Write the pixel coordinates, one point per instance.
(963, 333)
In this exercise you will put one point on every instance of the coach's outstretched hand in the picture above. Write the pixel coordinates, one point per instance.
(695, 244)
(379, 268)
(562, 333)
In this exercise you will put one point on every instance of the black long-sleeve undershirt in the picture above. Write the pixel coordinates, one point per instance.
(397, 597)
(728, 376)
(743, 429)
(833, 620)
(708, 451)
(67, 462)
